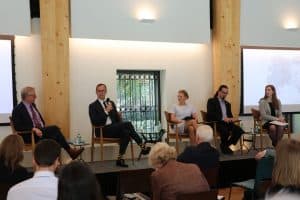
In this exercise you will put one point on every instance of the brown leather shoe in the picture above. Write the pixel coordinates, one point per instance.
(74, 153)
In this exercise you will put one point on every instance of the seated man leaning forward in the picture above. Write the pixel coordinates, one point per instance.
(26, 116)
(203, 154)
(219, 110)
(103, 112)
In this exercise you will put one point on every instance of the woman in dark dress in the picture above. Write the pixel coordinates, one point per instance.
(270, 110)
(11, 155)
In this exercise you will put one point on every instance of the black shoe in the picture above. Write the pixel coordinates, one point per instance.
(121, 163)
(145, 150)
(226, 150)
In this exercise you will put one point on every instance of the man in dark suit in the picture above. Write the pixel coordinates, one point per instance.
(219, 110)
(26, 116)
(103, 112)
(203, 154)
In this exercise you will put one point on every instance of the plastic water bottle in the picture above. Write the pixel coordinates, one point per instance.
(78, 138)
(158, 127)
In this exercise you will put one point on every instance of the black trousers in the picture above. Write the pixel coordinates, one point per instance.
(50, 132)
(229, 132)
(124, 131)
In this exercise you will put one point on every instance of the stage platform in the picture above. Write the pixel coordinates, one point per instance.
(233, 168)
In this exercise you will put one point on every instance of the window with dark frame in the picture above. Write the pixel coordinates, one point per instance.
(138, 98)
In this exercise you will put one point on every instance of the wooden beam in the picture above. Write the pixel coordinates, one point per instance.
(54, 16)
(226, 49)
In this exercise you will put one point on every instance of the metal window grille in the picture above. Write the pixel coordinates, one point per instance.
(138, 98)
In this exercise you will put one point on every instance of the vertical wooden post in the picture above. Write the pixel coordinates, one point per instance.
(54, 15)
(226, 49)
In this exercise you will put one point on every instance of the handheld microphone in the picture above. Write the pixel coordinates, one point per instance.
(107, 101)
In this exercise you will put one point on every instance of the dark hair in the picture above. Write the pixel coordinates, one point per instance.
(11, 151)
(101, 84)
(77, 182)
(274, 96)
(46, 152)
(184, 92)
(220, 89)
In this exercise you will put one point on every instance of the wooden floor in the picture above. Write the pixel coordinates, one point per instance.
(236, 193)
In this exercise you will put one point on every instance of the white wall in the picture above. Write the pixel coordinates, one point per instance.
(28, 65)
(15, 17)
(176, 20)
(185, 66)
(93, 61)
(262, 23)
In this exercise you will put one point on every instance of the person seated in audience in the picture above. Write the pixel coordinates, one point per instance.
(43, 185)
(77, 182)
(270, 110)
(11, 155)
(26, 116)
(286, 170)
(185, 114)
(219, 110)
(103, 112)
(171, 177)
(203, 155)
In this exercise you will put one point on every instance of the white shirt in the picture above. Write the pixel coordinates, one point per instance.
(42, 186)
(108, 120)
(182, 111)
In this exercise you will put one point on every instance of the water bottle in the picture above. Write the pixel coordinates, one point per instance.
(78, 138)
(158, 127)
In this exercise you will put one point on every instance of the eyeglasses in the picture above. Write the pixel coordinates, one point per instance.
(224, 92)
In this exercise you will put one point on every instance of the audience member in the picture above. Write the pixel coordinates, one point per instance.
(171, 177)
(77, 182)
(219, 110)
(43, 185)
(270, 110)
(26, 116)
(203, 155)
(286, 171)
(11, 154)
(103, 112)
(185, 114)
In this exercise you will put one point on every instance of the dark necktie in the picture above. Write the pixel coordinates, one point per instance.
(35, 119)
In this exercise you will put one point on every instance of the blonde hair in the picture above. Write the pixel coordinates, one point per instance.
(11, 151)
(286, 171)
(25, 91)
(161, 153)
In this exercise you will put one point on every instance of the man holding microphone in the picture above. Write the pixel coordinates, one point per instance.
(103, 112)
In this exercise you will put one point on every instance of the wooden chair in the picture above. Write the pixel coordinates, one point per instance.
(207, 195)
(173, 132)
(258, 126)
(133, 181)
(216, 134)
(105, 140)
(27, 146)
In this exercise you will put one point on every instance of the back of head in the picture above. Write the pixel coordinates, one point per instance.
(286, 171)
(11, 151)
(204, 134)
(77, 182)
(161, 153)
(46, 152)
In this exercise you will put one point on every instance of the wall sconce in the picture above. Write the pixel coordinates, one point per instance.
(290, 24)
(146, 15)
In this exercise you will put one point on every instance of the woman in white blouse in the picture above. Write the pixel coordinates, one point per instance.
(185, 114)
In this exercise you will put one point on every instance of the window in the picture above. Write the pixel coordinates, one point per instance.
(138, 98)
